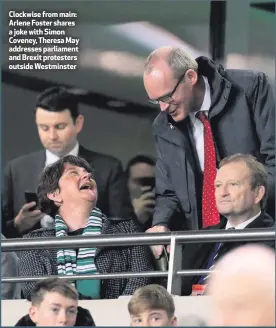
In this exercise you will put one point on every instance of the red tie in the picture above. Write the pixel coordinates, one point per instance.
(210, 215)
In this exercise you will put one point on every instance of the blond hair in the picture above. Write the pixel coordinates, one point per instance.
(151, 297)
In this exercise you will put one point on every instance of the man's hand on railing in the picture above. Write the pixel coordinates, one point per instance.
(157, 250)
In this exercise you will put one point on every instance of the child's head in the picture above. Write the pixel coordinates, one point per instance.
(152, 305)
(54, 303)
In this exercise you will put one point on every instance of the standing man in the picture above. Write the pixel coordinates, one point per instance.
(58, 122)
(207, 113)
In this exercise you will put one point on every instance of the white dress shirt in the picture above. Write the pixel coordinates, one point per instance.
(52, 158)
(243, 224)
(198, 130)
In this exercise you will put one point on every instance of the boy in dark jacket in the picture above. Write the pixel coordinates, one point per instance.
(54, 302)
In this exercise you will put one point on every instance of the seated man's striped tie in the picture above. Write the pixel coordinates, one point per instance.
(211, 262)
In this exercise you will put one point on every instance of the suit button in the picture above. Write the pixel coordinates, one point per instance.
(225, 97)
(228, 86)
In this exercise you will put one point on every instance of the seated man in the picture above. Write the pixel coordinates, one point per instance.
(152, 306)
(241, 193)
(54, 302)
(67, 188)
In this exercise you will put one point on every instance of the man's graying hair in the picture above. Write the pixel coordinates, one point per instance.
(178, 60)
(258, 172)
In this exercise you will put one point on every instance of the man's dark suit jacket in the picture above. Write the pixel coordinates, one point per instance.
(84, 319)
(196, 256)
(22, 174)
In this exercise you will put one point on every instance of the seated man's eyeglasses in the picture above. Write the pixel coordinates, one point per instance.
(168, 98)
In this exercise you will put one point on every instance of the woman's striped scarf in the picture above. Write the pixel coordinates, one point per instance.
(68, 261)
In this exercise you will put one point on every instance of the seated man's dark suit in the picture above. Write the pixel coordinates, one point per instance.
(196, 256)
(22, 174)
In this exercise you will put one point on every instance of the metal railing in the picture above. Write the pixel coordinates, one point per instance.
(174, 239)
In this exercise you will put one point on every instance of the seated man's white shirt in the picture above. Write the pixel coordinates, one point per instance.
(243, 224)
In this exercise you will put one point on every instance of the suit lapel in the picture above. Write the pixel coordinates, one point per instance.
(38, 167)
(88, 155)
(260, 222)
(182, 137)
(82, 151)
(188, 130)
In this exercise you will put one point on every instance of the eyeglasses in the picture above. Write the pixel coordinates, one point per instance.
(168, 97)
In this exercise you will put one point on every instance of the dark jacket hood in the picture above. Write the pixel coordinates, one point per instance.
(84, 319)
(209, 68)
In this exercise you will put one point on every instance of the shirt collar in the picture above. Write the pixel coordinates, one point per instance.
(243, 224)
(52, 158)
(206, 101)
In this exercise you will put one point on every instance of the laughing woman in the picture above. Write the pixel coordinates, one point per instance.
(67, 188)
